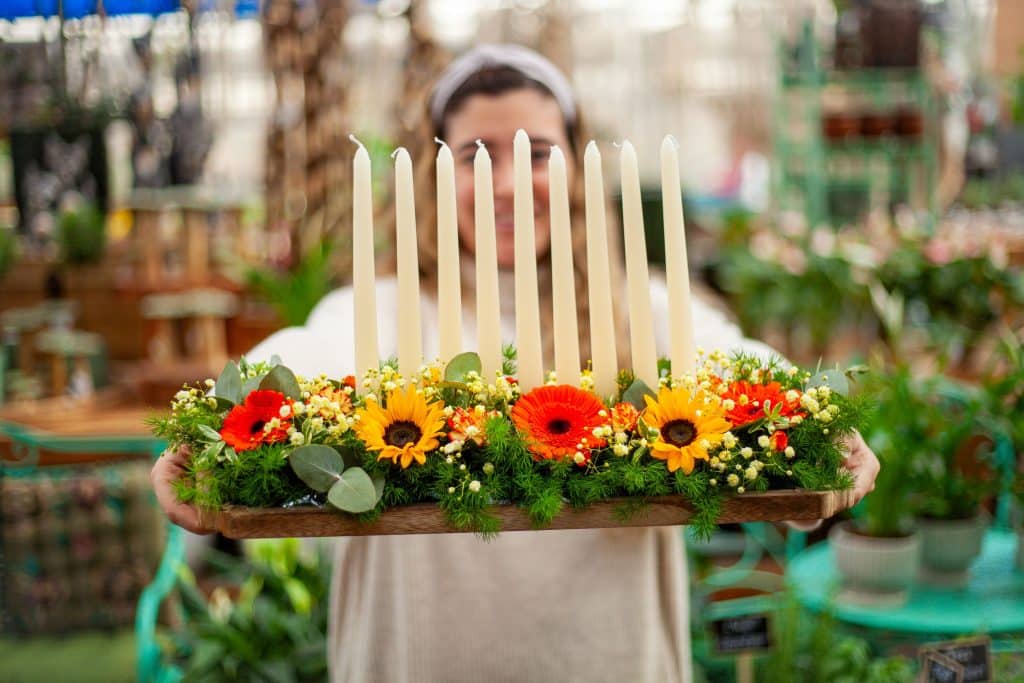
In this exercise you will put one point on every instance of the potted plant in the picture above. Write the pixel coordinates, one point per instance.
(877, 553)
(954, 476)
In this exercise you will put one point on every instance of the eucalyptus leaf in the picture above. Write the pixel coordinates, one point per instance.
(251, 384)
(354, 492)
(635, 394)
(210, 435)
(462, 365)
(281, 379)
(317, 465)
(223, 403)
(833, 379)
(229, 384)
(378, 485)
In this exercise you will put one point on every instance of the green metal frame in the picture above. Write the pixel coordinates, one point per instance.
(805, 164)
(27, 443)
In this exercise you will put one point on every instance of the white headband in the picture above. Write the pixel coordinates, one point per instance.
(522, 59)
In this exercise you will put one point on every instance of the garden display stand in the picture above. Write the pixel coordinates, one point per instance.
(428, 518)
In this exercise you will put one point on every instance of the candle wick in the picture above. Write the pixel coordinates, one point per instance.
(395, 153)
(617, 145)
(480, 143)
(672, 139)
(353, 138)
(440, 141)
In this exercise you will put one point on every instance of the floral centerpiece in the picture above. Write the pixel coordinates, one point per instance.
(262, 437)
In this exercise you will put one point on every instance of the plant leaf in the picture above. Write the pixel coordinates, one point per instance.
(282, 379)
(229, 384)
(462, 365)
(354, 492)
(378, 485)
(834, 379)
(252, 384)
(210, 435)
(635, 394)
(317, 465)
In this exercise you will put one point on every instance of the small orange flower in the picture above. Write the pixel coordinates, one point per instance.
(469, 424)
(779, 440)
(624, 417)
(339, 396)
(556, 419)
(751, 401)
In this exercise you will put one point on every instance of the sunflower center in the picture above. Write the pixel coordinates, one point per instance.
(679, 433)
(402, 433)
(559, 426)
(257, 427)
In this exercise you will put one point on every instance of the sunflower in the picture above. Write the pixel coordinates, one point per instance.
(687, 424)
(556, 419)
(405, 430)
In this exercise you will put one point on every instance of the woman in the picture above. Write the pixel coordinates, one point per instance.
(540, 606)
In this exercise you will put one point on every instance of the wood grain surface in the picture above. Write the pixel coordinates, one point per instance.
(427, 518)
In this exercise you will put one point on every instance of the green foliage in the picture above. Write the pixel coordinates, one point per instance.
(294, 293)
(460, 366)
(275, 630)
(808, 648)
(8, 249)
(82, 234)
(283, 380)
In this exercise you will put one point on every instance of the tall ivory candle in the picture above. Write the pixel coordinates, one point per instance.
(641, 326)
(563, 283)
(604, 363)
(683, 353)
(363, 287)
(488, 320)
(410, 350)
(528, 351)
(449, 290)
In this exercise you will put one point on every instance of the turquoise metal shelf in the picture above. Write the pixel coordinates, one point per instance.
(992, 602)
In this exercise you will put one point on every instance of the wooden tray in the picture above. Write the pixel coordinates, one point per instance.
(427, 518)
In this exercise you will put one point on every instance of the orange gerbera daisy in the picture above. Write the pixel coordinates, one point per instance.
(245, 426)
(751, 400)
(556, 419)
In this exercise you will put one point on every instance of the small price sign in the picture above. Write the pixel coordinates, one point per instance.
(735, 635)
(973, 655)
(938, 668)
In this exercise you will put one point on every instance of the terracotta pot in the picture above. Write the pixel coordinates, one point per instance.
(875, 571)
(948, 549)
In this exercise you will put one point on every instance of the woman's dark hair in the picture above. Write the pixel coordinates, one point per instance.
(497, 80)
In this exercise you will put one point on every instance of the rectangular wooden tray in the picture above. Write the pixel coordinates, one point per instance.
(427, 518)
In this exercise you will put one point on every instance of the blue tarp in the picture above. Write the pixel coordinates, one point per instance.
(76, 9)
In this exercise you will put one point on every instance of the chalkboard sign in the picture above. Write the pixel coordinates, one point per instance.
(973, 654)
(938, 668)
(741, 634)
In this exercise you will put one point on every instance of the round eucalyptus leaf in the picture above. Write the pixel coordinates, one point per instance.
(317, 465)
(229, 384)
(354, 492)
(833, 379)
(635, 394)
(282, 379)
(378, 485)
(462, 365)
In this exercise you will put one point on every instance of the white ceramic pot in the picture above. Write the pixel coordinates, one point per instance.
(875, 571)
(948, 549)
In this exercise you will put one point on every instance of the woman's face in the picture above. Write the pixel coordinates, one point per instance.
(494, 120)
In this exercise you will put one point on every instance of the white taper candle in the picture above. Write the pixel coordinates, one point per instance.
(641, 326)
(364, 292)
(528, 349)
(449, 289)
(410, 348)
(488, 312)
(563, 282)
(604, 363)
(683, 353)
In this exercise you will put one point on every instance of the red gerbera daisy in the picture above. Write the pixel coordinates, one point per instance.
(556, 419)
(750, 401)
(244, 427)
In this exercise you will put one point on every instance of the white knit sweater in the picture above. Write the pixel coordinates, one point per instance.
(589, 605)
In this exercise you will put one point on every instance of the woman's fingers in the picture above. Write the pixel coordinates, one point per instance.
(863, 464)
(166, 470)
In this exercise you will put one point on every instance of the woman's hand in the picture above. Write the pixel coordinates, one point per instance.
(168, 468)
(863, 464)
